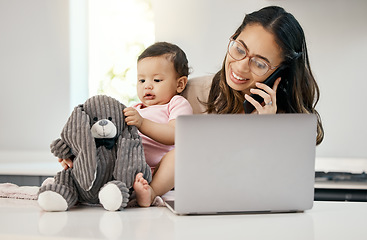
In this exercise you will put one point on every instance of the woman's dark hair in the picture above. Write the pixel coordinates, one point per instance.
(297, 92)
(173, 52)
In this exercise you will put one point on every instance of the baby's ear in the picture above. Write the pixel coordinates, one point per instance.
(181, 84)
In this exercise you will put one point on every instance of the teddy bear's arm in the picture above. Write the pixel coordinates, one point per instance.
(60, 149)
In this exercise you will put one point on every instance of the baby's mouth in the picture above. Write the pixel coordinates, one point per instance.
(149, 96)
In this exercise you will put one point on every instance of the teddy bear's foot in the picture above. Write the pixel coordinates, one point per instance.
(52, 202)
(58, 195)
(114, 195)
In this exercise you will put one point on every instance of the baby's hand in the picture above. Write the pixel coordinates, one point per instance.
(66, 163)
(132, 117)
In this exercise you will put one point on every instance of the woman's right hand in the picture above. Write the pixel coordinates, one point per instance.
(66, 163)
(269, 106)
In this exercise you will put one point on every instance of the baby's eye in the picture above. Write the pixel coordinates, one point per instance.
(157, 80)
(141, 80)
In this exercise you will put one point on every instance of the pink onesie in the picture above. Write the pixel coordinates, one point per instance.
(154, 151)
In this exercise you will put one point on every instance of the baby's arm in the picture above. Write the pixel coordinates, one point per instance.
(160, 132)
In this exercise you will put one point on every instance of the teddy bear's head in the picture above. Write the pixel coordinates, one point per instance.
(105, 117)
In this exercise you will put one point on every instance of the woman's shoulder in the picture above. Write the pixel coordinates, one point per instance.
(202, 82)
(197, 91)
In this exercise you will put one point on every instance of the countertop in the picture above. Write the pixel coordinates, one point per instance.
(23, 219)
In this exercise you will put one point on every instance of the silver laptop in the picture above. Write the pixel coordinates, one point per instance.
(244, 163)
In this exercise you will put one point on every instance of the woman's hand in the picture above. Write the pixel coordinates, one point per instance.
(66, 163)
(269, 106)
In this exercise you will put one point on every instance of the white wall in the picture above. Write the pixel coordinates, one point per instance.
(35, 73)
(336, 33)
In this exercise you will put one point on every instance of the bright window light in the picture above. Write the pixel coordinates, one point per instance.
(119, 30)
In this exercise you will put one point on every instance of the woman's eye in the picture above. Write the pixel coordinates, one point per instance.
(259, 64)
(240, 51)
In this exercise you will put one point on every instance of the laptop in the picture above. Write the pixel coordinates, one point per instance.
(244, 163)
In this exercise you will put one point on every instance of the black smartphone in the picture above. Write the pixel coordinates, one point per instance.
(249, 108)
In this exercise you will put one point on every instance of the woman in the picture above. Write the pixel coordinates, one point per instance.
(267, 40)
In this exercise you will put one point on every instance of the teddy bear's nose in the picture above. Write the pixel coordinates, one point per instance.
(103, 122)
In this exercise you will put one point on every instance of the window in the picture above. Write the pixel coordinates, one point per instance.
(119, 30)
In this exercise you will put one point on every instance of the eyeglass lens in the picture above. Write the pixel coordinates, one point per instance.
(238, 52)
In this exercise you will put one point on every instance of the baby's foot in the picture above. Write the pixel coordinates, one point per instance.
(143, 191)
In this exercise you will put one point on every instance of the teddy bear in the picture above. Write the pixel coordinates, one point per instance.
(106, 153)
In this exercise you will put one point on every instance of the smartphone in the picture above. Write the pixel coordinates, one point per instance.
(249, 108)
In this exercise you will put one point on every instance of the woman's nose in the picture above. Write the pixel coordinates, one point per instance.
(244, 64)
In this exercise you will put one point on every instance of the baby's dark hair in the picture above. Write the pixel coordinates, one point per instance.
(175, 54)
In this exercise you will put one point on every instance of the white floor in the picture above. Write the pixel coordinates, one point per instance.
(23, 219)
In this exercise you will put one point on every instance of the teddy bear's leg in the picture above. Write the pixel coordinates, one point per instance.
(114, 195)
(60, 195)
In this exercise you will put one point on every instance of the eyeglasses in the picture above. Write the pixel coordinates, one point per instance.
(238, 52)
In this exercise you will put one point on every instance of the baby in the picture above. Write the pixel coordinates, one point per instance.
(162, 75)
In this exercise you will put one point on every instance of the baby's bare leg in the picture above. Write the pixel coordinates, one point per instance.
(164, 177)
(162, 182)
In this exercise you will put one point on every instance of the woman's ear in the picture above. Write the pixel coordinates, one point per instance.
(181, 84)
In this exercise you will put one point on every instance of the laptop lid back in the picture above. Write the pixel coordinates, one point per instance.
(244, 163)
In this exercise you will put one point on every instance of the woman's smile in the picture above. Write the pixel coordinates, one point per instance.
(236, 78)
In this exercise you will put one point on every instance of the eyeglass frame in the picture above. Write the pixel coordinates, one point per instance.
(231, 39)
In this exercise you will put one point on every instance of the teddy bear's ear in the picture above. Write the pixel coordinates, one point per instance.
(78, 136)
(130, 157)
